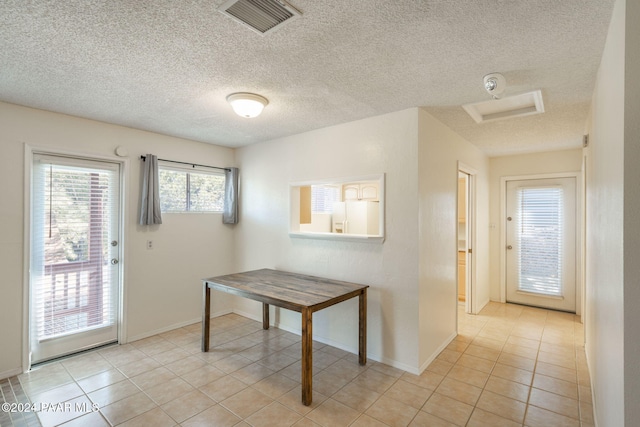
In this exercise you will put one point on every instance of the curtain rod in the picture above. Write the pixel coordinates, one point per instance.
(193, 165)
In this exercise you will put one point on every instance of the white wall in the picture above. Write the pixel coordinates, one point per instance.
(440, 151)
(605, 233)
(385, 144)
(523, 164)
(613, 231)
(410, 279)
(162, 286)
(412, 298)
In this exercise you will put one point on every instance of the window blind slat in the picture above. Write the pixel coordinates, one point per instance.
(323, 197)
(70, 247)
(540, 232)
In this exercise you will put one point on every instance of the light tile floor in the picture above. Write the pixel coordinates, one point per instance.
(509, 366)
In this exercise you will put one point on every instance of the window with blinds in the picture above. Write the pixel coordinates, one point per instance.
(323, 197)
(540, 234)
(73, 210)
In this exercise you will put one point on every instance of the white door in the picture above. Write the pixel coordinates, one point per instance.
(75, 248)
(541, 243)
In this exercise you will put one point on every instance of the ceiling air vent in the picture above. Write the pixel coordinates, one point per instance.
(262, 16)
(525, 104)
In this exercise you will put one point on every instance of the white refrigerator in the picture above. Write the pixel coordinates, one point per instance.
(356, 217)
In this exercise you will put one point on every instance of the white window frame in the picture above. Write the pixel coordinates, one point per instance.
(29, 151)
(579, 231)
(188, 171)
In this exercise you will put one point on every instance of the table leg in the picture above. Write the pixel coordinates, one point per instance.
(265, 316)
(362, 345)
(206, 315)
(307, 359)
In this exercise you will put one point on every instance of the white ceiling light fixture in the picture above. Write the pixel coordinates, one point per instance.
(247, 104)
(495, 84)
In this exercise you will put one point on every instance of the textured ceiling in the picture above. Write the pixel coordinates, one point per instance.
(167, 66)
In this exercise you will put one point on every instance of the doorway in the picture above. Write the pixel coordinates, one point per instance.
(465, 222)
(74, 293)
(540, 250)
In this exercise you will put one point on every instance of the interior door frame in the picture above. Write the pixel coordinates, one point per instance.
(29, 151)
(579, 227)
(471, 305)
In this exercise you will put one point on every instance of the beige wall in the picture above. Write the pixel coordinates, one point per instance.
(440, 152)
(384, 144)
(412, 298)
(410, 280)
(519, 165)
(162, 286)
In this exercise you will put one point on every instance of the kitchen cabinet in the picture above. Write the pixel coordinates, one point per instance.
(366, 190)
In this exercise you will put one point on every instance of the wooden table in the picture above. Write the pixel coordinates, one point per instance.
(297, 292)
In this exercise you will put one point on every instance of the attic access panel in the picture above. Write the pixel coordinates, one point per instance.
(261, 16)
(521, 105)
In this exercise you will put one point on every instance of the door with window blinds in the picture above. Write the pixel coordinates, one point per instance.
(75, 251)
(540, 243)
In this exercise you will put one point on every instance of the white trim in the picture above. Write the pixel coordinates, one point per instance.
(294, 224)
(348, 349)
(435, 354)
(471, 303)
(175, 326)
(26, 280)
(10, 373)
(123, 163)
(579, 226)
(337, 236)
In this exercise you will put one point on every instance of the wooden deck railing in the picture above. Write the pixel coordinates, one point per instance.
(74, 298)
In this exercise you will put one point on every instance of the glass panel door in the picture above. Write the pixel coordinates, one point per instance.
(75, 272)
(540, 252)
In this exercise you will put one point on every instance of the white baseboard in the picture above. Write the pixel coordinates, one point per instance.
(174, 326)
(10, 373)
(435, 354)
(349, 349)
(593, 389)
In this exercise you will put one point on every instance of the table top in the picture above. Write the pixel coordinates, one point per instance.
(289, 290)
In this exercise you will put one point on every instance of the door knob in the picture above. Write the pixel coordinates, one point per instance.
(509, 247)
(114, 261)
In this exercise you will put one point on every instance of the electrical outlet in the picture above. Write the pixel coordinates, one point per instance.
(149, 244)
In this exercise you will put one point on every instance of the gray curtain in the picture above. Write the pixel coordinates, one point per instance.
(230, 210)
(150, 196)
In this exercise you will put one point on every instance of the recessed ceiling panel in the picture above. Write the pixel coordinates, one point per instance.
(524, 104)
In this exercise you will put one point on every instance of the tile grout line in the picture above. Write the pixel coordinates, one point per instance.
(533, 375)
(485, 327)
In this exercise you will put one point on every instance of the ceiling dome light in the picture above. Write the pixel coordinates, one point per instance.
(495, 84)
(247, 104)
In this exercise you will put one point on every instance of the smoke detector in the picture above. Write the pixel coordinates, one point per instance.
(261, 16)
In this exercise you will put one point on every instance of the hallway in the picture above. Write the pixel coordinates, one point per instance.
(510, 366)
